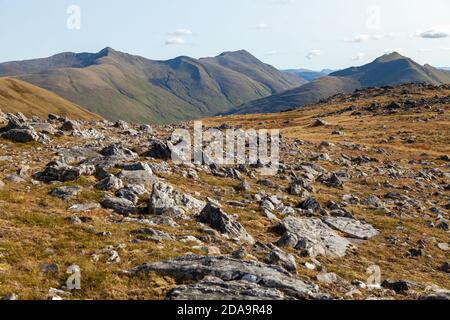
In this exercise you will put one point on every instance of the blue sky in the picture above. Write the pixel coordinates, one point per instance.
(311, 34)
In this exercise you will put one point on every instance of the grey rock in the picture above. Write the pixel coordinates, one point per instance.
(116, 150)
(49, 268)
(119, 205)
(320, 123)
(58, 171)
(159, 150)
(165, 200)
(65, 193)
(351, 227)
(21, 135)
(131, 193)
(217, 219)
(281, 258)
(445, 267)
(110, 183)
(240, 253)
(70, 125)
(14, 178)
(312, 234)
(151, 234)
(310, 204)
(10, 297)
(138, 166)
(212, 288)
(141, 177)
(121, 125)
(84, 207)
(327, 278)
(244, 186)
(436, 296)
(194, 267)
(373, 202)
(400, 286)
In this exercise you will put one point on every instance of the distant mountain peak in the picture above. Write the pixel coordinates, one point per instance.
(391, 57)
(108, 51)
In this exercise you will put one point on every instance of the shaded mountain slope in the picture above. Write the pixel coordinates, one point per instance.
(306, 94)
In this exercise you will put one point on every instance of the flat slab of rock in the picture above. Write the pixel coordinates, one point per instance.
(313, 234)
(263, 276)
(84, 207)
(141, 177)
(352, 228)
(217, 219)
(216, 289)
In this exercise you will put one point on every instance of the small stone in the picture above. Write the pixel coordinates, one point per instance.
(327, 278)
(49, 268)
(66, 193)
(445, 267)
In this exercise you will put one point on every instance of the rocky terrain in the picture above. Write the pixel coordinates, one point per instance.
(358, 210)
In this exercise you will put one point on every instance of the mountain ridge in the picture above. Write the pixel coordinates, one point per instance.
(121, 86)
(387, 70)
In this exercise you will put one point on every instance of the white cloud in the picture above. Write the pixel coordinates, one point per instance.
(181, 32)
(272, 53)
(437, 32)
(261, 26)
(280, 2)
(314, 53)
(367, 37)
(358, 56)
(175, 41)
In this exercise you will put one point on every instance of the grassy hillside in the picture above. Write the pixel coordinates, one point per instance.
(19, 96)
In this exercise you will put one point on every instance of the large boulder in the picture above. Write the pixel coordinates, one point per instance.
(119, 205)
(110, 183)
(229, 270)
(159, 150)
(118, 151)
(21, 135)
(59, 171)
(314, 236)
(165, 200)
(216, 218)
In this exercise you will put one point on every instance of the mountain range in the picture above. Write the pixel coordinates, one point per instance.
(388, 70)
(121, 86)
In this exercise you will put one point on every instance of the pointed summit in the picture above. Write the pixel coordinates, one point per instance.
(391, 57)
